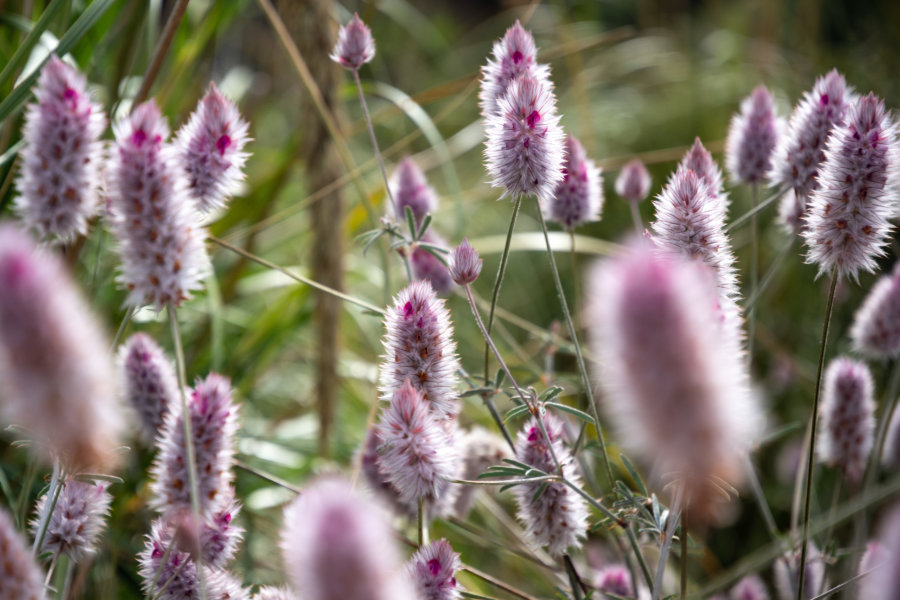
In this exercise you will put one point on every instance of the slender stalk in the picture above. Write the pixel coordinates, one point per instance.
(129, 314)
(421, 524)
(664, 551)
(754, 211)
(770, 274)
(190, 451)
(51, 568)
(67, 583)
(578, 587)
(585, 378)
(574, 259)
(49, 507)
(754, 275)
(636, 217)
(684, 556)
(812, 437)
(764, 508)
(365, 107)
(161, 50)
(593, 502)
(635, 547)
(501, 270)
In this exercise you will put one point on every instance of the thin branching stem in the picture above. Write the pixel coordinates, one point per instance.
(664, 550)
(636, 548)
(365, 107)
(585, 378)
(421, 522)
(754, 211)
(49, 506)
(498, 282)
(810, 452)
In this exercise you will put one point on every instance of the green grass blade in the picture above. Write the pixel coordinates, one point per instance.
(21, 55)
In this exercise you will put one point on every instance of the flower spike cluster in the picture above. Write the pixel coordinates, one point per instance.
(211, 150)
(876, 326)
(150, 382)
(700, 161)
(633, 182)
(653, 312)
(355, 46)
(514, 57)
(76, 521)
(160, 240)
(848, 417)
(752, 138)
(579, 196)
(63, 155)
(558, 517)
(22, 579)
(57, 377)
(432, 570)
(848, 216)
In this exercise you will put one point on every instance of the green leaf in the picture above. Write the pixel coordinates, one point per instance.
(22, 52)
(425, 223)
(634, 474)
(411, 222)
(516, 411)
(572, 411)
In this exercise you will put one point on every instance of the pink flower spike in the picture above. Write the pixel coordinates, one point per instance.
(615, 579)
(338, 545)
(428, 267)
(419, 348)
(579, 196)
(876, 326)
(410, 188)
(419, 457)
(150, 382)
(63, 156)
(432, 571)
(524, 146)
(700, 161)
(355, 46)
(160, 241)
(514, 57)
(76, 521)
(752, 137)
(848, 214)
(751, 587)
(633, 182)
(210, 150)
(57, 377)
(465, 264)
(22, 579)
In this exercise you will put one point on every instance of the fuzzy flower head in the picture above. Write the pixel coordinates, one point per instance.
(876, 558)
(847, 219)
(355, 46)
(22, 579)
(883, 583)
(514, 57)
(213, 425)
(419, 456)
(579, 196)
(150, 382)
(219, 536)
(160, 241)
(848, 417)
(210, 150)
(410, 188)
(428, 267)
(374, 478)
(432, 570)
(633, 182)
(524, 146)
(268, 592)
(787, 574)
(419, 347)
(891, 454)
(876, 326)
(57, 377)
(558, 517)
(615, 579)
(690, 221)
(480, 449)
(76, 521)
(801, 151)
(465, 264)
(695, 418)
(752, 137)
(751, 587)
(338, 545)
(700, 161)
(60, 175)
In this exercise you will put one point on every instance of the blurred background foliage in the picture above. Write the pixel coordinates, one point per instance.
(633, 79)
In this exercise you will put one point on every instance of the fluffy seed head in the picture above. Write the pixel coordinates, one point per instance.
(61, 161)
(801, 151)
(268, 592)
(633, 182)
(876, 326)
(419, 347)
(847, 216)
(514, 57)
(465, 264)
(558, 517)
(654, 313)
(700, 161)
(355, 46)
(480, 449)
(160, 240)
(338, 545)
(213, 425)
(76, 521)
(150, 382)
(579, 196)
(691, 221)
(22, 579)
(432, 570)
(428, 267)
(848, 417)
(787, 574)
(615, 579)
(210, 150)
(410, 188)
(752, 137)
(57, 377)
(419, 455)
(751, 587)
(524, 145)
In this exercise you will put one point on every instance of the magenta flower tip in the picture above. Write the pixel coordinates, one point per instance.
(465, 264)
(355, 46)
(633, 182)
(514, 57)
(615, 579)
(432, 570)
(700, 161)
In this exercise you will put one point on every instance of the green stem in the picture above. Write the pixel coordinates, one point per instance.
(636, 217)
(664, 551)
(498, 282)
(365, 107)
(812, 437)
(635, 547)
(754, 277)
(585, 378)
(758, 493)
(421, 524)
(49, 507)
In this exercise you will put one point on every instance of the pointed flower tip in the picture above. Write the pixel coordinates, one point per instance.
(633, 183)
(514, 56)
(355, 46)
(432, 570)
(465, 264)
(848, 417)
(150, 382)
(409, 187)
(578, 198)
(752, 138)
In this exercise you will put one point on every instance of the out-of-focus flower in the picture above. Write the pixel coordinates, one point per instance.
(752, 137)
(787, 574)
(355, 46)
(428, 267)
(633, 182)
(876, 326)
(150, 382)
(410, 189)
(22, 579)
(76, 521)
(465, 264)
(432, 570)
(579, 196)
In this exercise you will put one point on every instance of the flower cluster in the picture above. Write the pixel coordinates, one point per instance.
(752, 138)
(150, 382)
(77, 519)
(579, 196)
